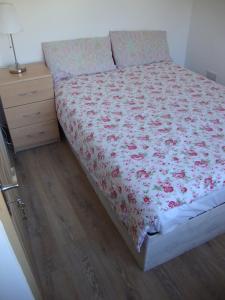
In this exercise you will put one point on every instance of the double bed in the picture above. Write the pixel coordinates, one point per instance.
(151, 139)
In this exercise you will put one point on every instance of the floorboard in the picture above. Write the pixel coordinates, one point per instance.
(79, 254)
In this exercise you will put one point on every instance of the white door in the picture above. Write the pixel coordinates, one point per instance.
(13, 283)
(13, 231)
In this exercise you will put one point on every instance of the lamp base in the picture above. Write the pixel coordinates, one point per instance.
(17, 69)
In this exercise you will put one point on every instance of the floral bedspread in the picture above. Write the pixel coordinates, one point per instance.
(152, 138)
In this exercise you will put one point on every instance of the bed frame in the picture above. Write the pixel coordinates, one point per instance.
(160, 248)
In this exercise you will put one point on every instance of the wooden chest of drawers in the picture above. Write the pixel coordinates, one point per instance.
(29, 107)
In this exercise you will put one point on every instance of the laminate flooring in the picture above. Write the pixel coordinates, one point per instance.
(77, 251)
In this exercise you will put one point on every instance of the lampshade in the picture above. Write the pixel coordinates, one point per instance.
(9, 22)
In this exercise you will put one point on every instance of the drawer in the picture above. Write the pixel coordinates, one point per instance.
(28, 114)
(34, 135)
(27, 92)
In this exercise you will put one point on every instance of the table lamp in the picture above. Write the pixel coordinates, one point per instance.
(9, 24)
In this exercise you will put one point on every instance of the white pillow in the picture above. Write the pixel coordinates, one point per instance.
(131, 48)
(80, 56)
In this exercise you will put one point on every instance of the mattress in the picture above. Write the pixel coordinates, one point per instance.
(153, 140)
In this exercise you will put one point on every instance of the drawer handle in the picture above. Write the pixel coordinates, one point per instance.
(38, 133)
(28, 94)
(22, 94)
(30, 115)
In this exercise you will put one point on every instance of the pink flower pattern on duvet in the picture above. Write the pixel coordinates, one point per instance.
(152, 137)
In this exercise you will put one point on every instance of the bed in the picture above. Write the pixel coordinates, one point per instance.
(151, 139)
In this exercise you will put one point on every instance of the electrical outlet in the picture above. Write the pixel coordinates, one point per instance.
(210, 75)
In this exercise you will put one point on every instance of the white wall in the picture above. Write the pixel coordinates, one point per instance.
(206, 45)
(45, 20)
(13, 284)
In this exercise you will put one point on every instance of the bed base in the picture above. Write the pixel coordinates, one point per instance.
(160, 248)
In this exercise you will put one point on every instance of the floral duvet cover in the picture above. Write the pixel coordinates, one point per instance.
(152, 137)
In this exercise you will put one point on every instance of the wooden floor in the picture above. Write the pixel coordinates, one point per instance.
(79, 254)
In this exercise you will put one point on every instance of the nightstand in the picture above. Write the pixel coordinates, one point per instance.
(29, 106)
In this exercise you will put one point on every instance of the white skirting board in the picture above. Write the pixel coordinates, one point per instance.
(160, 248)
